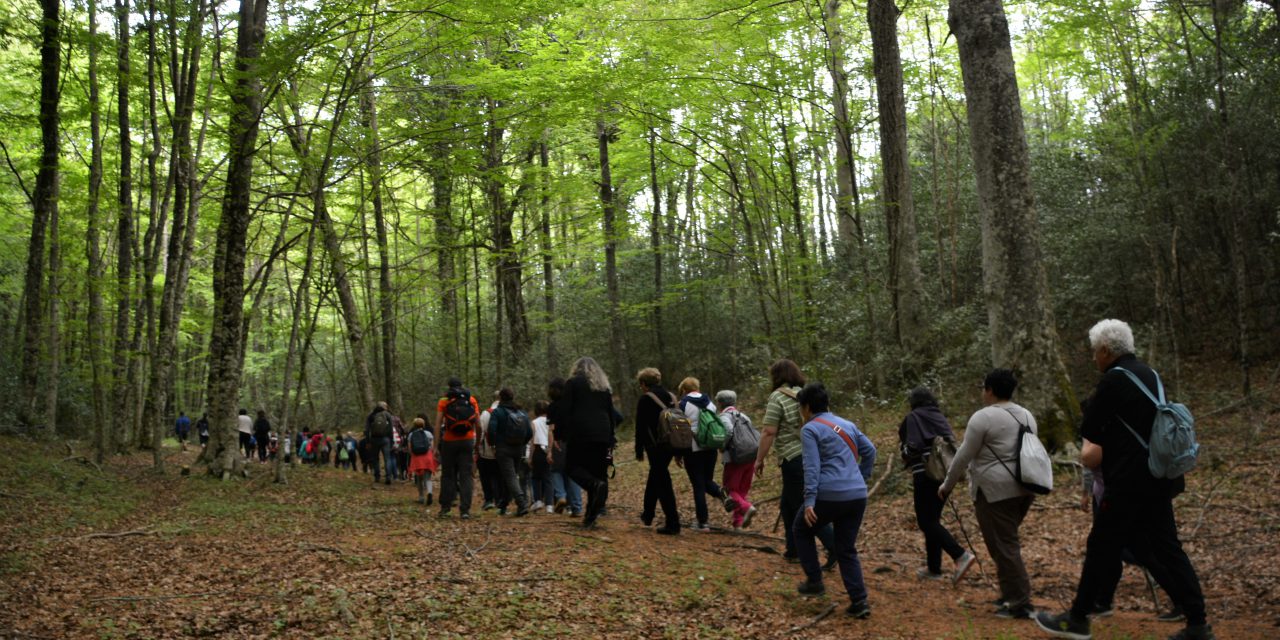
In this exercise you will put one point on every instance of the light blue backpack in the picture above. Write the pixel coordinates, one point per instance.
(1173, 449)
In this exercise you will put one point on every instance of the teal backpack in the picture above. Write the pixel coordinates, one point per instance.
(1172, 450)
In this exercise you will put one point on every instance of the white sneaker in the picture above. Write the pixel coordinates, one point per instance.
(962, 566)
(551, 509)
(538, 505)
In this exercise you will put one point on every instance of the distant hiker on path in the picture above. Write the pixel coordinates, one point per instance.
(699, 462)
(1136, 510)
(244, 426)
(588, 416)
(262, 434)
(1000, 502)
(915, 436)
(422, 460)
(182, 428)
(739, 458)
(510, 430)
(202, 430)
(838, 462)
(657, 487)
(379, 429)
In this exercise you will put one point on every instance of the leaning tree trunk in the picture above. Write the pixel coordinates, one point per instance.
(899, 208)
(45, 204)
(299, 308)
(386, 295)
(1019, 309)
(228, 272)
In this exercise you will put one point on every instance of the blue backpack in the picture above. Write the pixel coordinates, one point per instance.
(1172, 450)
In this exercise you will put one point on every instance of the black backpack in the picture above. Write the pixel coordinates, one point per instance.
(419, 442)
(459, 414)
(381, 426)
(514, 430)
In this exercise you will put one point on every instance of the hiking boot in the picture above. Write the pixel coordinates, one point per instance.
(465, 516)
(1021, 612)
(646, 519)
(1063, 625)
(810, 588)
(702, 526)
(1101, 610)
(962, 567)
(730, 505)
(487, 506)
(560, 505)
(1172, 615)
(746, 517)
(859, 610)
(430, 499)
(520, 513)
(791, 558)
(1194, 632)
(924, 573)
(502, 511)
(444, 513)
(668, 530)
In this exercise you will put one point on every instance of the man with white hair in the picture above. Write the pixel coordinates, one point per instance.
(1136, 510)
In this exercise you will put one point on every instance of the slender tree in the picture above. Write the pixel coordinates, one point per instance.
(93, 250)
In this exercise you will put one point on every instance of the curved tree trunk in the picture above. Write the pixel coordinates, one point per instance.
(1019, 309)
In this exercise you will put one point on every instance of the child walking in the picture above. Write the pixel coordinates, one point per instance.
(422, 462)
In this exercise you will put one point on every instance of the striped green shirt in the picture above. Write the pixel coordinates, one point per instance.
(783, 410)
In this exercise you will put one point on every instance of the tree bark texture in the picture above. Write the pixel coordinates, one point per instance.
(617, 336)
(386, 295)
(124, 235)
(846, 185)
(1019, 309)
(899, 208)
(228, 276)
(93, 250)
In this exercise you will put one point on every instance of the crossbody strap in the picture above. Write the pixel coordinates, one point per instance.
(840, 432)
(1015, 444)
(1147, 392)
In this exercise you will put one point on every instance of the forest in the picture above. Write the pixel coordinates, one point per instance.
(301, 209)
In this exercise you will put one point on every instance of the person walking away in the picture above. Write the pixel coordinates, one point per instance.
(399, 457)
(202, 430)
(838, 461)
(922, 424)
(1136, 510)
(781, 434)
(989, 451)
(182, 428)
(588, 417)
(511, 431)
(244, 425)
(422, 461)
(262, 434)
(657, 487)
(568, 494)
(700, 463)
(456, 416)
(378, 430)
(486, 457)
(540, 459)
(739, 458)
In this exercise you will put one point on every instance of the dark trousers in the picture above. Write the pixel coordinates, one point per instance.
(1146, 526)
(999, 522)
(792, 501)
(928, 517)
(379, 447)
(658, 489)
(512, 469)
(455, 474)
(846, 518)
(587, 463)
(490, 481)
(245, 447)
(700, 466)
(540, 476)
(261, 439)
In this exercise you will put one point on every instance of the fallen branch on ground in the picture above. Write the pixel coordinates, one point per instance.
(888, 468)
(758, 547)
(82, 460)
(488, 533)
(320, 547)
(119, 534)
(816, 619)
(749, 534)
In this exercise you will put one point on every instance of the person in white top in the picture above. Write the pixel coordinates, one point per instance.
(700, 464)
(487, 460)
(244, 424)
(540, 459)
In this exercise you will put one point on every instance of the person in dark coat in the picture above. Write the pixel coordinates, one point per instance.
(657, 487)
(588, 419)
(915, 437)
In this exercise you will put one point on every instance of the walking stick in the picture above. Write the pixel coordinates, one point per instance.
(964, 532)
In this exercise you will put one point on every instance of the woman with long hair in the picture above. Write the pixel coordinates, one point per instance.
(588, 418)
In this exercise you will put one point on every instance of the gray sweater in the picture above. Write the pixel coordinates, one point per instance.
(992, 427)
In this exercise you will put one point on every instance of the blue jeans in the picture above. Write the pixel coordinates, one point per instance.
(846, 516)
(563, 487)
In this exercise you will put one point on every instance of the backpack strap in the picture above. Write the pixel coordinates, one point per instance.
(1016, 443)
(788, 392)
(1157, 398)
(840, 432)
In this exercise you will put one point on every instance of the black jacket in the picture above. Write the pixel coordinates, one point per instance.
(917, 430)
(1116, 402)
(647, 416)
(584, 415)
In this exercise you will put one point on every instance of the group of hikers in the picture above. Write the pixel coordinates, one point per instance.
(826, 465)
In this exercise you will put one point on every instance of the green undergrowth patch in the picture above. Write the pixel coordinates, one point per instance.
(48, 493)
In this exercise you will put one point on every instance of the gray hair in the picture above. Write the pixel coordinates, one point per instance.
(588, 368)
(1115, 335)
(726, 398)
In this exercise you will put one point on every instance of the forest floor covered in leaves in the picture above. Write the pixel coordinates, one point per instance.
(126, 553)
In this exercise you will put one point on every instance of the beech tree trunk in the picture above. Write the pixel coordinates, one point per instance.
(510, 271)
(846, 185)
(1019, 309)
(386, 295)
(899, 208)
(655, 245)
(93, 250)
(45, 208)
(228, 273)
(124, 237)
(617, 336)
(548, 273)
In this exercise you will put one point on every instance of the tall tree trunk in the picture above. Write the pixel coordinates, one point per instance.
(899, 208)
(846, 186)
(655, 242)
(124, 236)
(510, 272)
(45, 204)
(1019, 309)
(299, 309)
(797, 222)
(93, 250)
(548, 273)
(386, 295)
(52, 369)
(228, 273)
(617, 336)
